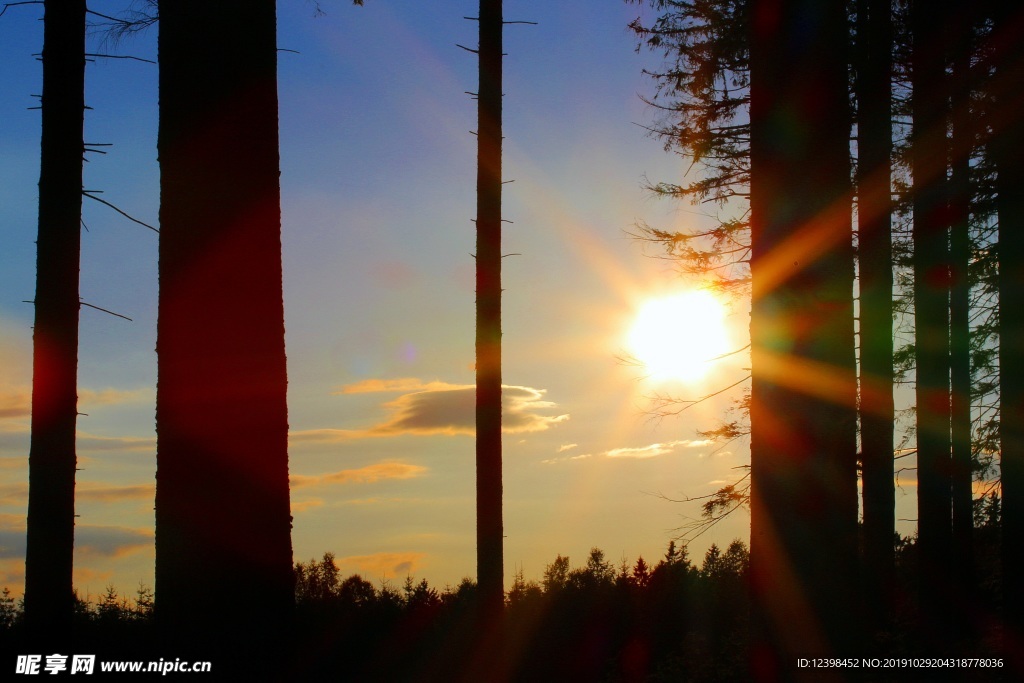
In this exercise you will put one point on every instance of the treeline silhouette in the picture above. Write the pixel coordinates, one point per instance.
(669, 620)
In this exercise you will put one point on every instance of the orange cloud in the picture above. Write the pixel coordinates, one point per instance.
(114, 494)
(106, 397)
(655, 449)
(14, 494)
(111, 541)
(90, 442)
(7, 464)
(303, 505)
(12, 522)
(322, 435)
(376, 386)
(640, 452)
(12, 575)
(16, 403)
(84, 576)
(439, 408)
(363, 475)
(451, 408)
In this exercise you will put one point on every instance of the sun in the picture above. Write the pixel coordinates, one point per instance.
(677, 337)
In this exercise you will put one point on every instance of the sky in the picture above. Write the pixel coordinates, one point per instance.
(378, 172)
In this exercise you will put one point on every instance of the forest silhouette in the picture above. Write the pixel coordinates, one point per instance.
(764, 96)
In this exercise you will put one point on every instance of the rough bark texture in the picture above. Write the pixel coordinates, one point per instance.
(929, 152)
(803, 398)
(1008, 150)
(49, 598)
(959, 30)
(489, 543)
(223, 545)
(874, 213)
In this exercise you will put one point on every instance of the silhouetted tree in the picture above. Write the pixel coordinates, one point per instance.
(873, 87)
(49, 596)
(489, 533)
(960, 27)
(1008, 153)
(803, 399)
(222, 505)
(556, 575)
(928, 154)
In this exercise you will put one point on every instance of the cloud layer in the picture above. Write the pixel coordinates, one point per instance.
(363, 475)
(637, 452)
(426, 408)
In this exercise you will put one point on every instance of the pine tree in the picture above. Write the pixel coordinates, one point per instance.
(1008, 153)
(49, 596)
(873, 68)
(222, 503)
(960, 31)
(803, 401)
(929, 151)
(489, 534)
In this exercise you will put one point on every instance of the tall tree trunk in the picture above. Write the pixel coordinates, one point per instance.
(1008, 151)
(929, 152)
(874, 214)
(489, 543)
(960, 27)
(223, 544)
(49, 596)
(803, 398)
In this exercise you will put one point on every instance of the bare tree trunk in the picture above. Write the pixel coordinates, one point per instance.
(929, 151)
(960, 27)
(874, 212)
(489, 541)
(1008, 150)
(223, 544)
(803, 399)
(49, 596)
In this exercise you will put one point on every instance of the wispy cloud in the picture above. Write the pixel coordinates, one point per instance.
(303, 505)
(384, 565)
(567, 458)
(387, 386)
(15, 435)
(105, 397)
(17, 401)
(111, 541)
(12, 573)
(440, 408)
(322, 435)
(14, 494)
(363, 475)
(88, 579)
(12, 522)
(11, 543)
(90, 541)
(114, 494)
(450, 409)
(567, 447)
(91, 442)
(8, 464)
(653, 450)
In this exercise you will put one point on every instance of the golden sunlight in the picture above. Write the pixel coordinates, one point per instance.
(677, 337)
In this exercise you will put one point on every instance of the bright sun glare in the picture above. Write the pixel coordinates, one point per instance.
(676, 337)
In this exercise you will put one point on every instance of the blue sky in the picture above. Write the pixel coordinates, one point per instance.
(378, 170)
